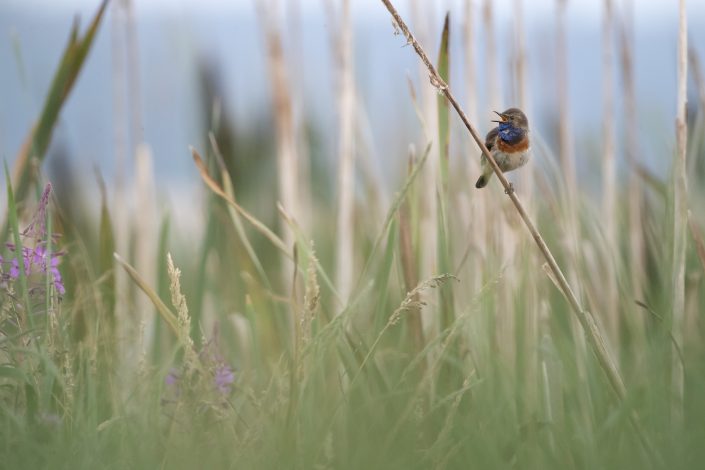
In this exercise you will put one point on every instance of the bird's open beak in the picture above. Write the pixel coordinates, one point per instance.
(501, 116)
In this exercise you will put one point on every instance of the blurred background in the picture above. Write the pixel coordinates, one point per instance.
(186, 56)
(363, 286)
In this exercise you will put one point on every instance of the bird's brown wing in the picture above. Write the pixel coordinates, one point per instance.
(491, 137)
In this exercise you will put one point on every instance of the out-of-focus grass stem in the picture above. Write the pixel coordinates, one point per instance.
(26, 320)
(346, 153)
(609, 207)
(287, 153)
(680, 212)
(634, 191)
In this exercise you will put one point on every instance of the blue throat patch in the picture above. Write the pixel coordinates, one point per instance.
(509, 133)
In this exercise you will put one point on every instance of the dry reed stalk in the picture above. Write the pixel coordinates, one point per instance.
(141, 153)
(297, 67)
(129, 151)
(565, 132)
(680, 214)
(699, 82)
(586, 319)
(570, 207)
(632, 151)
(498, 235)
(475, 218)
(470, 63)
(528, 321)
(491, 63)
(522, 96)
(346, 153)
(287, 154)
(133, 74)
(697, 77)
(609, 205)
(121, 147)
(147, 218)
(471, 86)
(119, 82)
(408, 262)
(428, 213)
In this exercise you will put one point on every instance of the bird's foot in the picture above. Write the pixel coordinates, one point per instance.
(510, 189)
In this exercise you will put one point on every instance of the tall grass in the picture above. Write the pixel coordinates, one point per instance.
(435, 336)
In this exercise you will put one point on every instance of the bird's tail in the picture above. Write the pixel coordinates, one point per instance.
(484, 179)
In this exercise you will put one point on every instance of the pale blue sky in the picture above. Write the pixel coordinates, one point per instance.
(176, 35)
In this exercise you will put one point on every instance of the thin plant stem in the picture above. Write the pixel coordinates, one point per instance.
(346, 155)
(680, 213)
(609, 170)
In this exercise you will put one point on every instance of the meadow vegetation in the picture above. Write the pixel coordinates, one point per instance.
(350, 325)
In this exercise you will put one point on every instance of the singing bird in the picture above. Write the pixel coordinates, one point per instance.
(508, 142)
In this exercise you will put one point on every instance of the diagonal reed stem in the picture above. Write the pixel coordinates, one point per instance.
(586, 319)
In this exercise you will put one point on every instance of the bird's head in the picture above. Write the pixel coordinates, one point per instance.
(512, 117)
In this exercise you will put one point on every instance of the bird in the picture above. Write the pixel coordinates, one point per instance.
(508, 143)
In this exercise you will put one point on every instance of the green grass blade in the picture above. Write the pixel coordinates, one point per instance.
(165, 312)
(106, 248)
(71, 63)
(14, 227)
(393, 210)
(442, 103)
(443, 248)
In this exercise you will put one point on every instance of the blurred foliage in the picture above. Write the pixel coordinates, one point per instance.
(262, 366)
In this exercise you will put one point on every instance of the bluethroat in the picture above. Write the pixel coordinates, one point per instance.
(508, 142)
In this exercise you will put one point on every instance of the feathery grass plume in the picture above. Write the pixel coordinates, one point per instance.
(411, 302)
(179, 302)
(312, 297)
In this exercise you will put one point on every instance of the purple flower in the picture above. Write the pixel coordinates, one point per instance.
(224, 378)
(35, 262)
(58, 283)
(14, 268)
(40, 265)
(172, 378)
